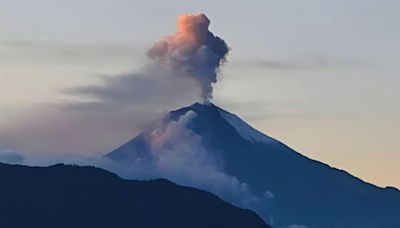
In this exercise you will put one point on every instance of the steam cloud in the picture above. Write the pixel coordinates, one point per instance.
(193, 52)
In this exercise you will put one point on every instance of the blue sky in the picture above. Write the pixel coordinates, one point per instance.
(321, 76)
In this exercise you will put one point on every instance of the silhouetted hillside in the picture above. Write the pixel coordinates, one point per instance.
(72, 196)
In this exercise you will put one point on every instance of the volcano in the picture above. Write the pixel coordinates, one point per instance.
(288, 189)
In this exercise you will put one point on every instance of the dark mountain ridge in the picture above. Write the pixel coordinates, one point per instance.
(73, 196)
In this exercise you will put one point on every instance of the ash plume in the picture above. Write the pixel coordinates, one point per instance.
(193, 51)
(180, 71)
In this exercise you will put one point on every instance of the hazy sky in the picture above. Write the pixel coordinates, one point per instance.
(321, 76)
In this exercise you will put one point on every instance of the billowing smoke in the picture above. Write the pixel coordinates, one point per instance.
(193, 51)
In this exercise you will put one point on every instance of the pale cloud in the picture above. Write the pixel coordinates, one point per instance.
(10, 156)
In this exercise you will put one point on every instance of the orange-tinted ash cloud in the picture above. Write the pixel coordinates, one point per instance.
(193, 51)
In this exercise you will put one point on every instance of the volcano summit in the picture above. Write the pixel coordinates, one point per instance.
(207, 147)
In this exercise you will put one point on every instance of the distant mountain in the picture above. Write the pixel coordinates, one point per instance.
(304, 191)
(71, 196)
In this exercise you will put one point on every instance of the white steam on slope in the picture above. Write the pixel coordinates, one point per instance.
(177, 153)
